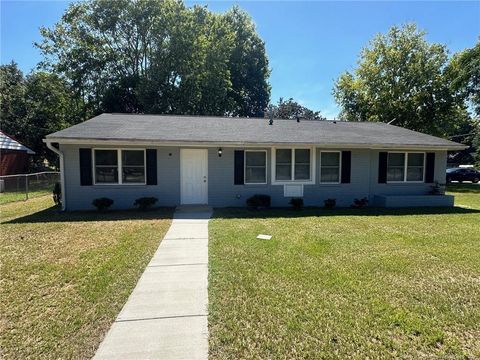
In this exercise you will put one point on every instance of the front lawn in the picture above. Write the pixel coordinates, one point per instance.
(346, 283)
(65, 276)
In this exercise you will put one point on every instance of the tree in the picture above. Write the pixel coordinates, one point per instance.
(34, 106)
(401, 78)
(12, 100)
(159, 57)
(291, 109)
(464, 71)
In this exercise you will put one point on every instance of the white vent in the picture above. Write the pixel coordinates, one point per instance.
(293, 190)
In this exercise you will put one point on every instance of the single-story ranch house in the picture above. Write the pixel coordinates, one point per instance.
(223, 161)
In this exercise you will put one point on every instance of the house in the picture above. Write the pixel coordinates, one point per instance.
(13, 156)
(223, 161)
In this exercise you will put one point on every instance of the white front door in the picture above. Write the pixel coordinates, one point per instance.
(193, 176)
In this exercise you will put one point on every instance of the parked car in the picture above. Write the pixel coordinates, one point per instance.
(463, 174)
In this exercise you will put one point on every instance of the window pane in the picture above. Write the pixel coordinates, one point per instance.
(302, 156)
(330, 159)
(284, 156)
(396, 159)
(106, 157)
(302, 172)
(255, 175)
(106, 174)
(415, 173)
(255, 158)
(330, 175)
(283, 172)
(133, 174)
(132, 158)
(415, 159)
(395, 173)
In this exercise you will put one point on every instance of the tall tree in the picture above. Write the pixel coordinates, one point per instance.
(464, 71)
(34, 106)
(290, 109)
(159, 57)
(401, 78)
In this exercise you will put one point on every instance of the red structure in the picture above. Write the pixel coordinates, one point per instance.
(13, 156)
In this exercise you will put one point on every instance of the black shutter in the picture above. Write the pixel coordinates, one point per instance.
(86, 167)
(151, 155)
(382, 167)
(346, 166)
(430, 168)
(239, 160)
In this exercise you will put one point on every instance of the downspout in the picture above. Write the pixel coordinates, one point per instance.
(62, 170)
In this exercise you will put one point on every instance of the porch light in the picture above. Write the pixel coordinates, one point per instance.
(219, 152)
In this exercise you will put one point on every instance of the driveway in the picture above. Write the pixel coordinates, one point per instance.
(165, 317)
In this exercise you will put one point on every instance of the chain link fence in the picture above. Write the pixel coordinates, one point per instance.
(24, 186)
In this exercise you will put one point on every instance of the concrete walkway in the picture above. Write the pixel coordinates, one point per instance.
(165, 317)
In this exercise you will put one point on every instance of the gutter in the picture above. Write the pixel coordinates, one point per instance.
(62, 169)
(187, 143)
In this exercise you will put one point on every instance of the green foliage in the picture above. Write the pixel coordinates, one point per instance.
(464, 71)
(360, 203)
(57, 194)
(330, 203)
(402, 78)
(297, 203)
(145, 203)
(102, 204)
(290, 109)
(159, 57)
(34, 106)
(259, 201)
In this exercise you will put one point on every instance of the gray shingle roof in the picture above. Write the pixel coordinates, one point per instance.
(237, 131)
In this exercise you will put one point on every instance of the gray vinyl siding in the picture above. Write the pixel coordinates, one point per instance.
(221, 189)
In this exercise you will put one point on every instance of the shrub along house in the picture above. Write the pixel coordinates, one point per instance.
(223, 161)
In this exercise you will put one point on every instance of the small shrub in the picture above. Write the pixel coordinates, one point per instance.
(259, 201)
(145, 203)
(102, 204)
(360, 203)
(57, 194)
(437, 189)
(297, 203)
(330, 203)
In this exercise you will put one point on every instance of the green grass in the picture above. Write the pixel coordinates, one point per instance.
(21, 196)
(373, 283)
(65, 276)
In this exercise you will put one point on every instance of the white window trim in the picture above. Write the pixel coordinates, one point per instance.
(339, 169)
(405, 167)
(120, 165)
(311, 181)
(245, 168)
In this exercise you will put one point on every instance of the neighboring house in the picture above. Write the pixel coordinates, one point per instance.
(223, 161)
(13, 156)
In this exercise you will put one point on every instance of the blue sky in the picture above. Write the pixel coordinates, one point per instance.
(309, 43)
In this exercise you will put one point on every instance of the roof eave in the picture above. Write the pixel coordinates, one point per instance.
(104, 141)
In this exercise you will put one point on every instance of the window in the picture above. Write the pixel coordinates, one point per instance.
(330, 166)
(255, 167)
(283, 168)
(396, 167)
(293, 165)
(415, 167)
(110, 164)
(106, 167)
(133, 166)
(404, 167)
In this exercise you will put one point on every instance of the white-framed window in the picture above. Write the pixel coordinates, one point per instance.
(119, 166)
(406, 167)
(255, 166)
(330, 167)
(293, 165)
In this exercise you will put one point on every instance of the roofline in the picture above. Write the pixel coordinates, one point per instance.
(101, 141)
